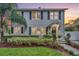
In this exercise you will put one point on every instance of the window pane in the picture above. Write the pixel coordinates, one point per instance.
(56, 15)
(19, 13)
(43, 31)
(17, 30)
(33, 31)
(36, 15)
(38, 31)
(51, 15)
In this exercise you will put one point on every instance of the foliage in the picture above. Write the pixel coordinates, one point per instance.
(67, 38)
(74, 26)
(13, 16)
(69, 29)
(4, 7)
(8, 30)
(29, 41)
(16, 18)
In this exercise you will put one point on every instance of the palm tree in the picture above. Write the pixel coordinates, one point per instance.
(13, 16)
(3, 8)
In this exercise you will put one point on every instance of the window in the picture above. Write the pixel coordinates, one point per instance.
(19, 13)
(17, 29)
(54, 15)
(38, 31)
(43, 30)
(36, 15)
(33, 30)
(51, 15)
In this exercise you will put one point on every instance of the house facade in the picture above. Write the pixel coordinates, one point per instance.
(40, 21)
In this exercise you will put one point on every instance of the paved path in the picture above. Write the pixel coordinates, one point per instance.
(70, 49)
(76, 42)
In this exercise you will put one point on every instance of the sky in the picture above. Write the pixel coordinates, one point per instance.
(70, 14)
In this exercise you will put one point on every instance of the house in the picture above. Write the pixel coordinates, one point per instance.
(40, 21)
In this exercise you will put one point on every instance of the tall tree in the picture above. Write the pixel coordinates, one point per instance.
(3, 8)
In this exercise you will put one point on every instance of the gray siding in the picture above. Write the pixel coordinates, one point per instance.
(62, 25)
(26, 16)
(42, 23)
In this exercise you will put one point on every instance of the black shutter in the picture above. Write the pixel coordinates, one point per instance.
(11, 29)
(46, 30)
(21, 29)
(30, 15)
(59, 15)
(41, 15)
(29, 30)
(48, 15)
(22, 13)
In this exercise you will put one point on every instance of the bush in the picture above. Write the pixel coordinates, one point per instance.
(29, 41)
(69, 29)
(67, 38)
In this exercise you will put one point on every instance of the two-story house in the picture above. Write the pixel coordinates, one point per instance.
(40, 21)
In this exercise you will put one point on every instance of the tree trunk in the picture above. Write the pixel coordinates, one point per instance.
(2, 28)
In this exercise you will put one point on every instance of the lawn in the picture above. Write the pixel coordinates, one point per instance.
(29, 51)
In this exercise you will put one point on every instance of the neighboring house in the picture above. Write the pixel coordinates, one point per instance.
(40, 21)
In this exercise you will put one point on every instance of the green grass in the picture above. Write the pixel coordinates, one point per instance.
(29, 51)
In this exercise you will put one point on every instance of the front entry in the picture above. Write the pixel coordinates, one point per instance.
(53, 29)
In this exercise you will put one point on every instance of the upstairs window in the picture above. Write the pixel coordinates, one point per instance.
(36, 15)
(51, 15)
(54, 15)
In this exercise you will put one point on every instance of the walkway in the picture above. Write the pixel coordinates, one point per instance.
(71, 49)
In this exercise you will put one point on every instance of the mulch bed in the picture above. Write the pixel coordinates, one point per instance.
(6, 45)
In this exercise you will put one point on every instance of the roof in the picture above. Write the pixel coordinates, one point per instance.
(45, 9)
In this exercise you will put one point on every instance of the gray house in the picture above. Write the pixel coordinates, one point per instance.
(41, 21)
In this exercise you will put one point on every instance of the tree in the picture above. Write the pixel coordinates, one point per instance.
(16, 18)
(3, 8)
(76, 24)
(13, 16)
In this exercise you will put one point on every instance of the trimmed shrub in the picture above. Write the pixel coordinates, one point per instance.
(29, 41)
(67, 38)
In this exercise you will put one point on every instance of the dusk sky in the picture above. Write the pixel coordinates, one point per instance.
(71, 13)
